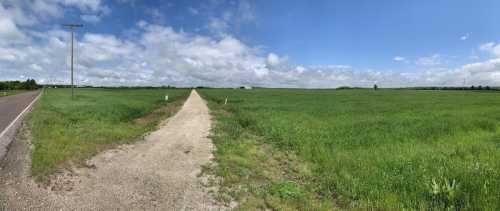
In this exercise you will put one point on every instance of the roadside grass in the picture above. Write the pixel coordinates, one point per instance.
(69, 131)
(4, 93)
(357, 149)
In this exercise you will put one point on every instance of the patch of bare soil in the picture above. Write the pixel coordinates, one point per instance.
(159, 173)
(159, 113)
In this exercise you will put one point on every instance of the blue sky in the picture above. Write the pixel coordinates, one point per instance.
(263, 43)
(367, 34)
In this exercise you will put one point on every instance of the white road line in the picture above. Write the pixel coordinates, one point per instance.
(21, 114)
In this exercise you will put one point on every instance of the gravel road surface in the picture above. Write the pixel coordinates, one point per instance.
(159, 173)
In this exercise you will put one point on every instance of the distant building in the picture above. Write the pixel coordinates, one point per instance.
(246, 87)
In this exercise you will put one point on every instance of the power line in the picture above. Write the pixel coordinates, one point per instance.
(72, 27)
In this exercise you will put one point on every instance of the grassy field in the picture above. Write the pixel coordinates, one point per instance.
(66, 131)
(357, 149)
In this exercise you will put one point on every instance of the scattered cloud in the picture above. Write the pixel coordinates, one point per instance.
(245, 11)
(399, 59)
(465, 37)
(218, 26)
(130, 2)
(27, 13)
(47, 8)
(157, 15)
(193, 11)
(85, 5)
(90, 18)
(16, 14)
(273, 60)
(223, 18)
(160, 55)
(433, 60)
(9, 31)
(491, 47)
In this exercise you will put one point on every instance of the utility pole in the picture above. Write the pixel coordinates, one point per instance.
(72, 28)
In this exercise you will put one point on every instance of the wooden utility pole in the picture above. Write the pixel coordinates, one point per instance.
(72, 28)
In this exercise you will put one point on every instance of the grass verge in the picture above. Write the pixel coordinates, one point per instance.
(70, 131)
(253, 173)
(358, 149)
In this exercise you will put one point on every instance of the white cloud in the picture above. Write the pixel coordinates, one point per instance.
(17, 17)
(273, 60)
(16, 13)
(36, 67)
(28, 13)
(85, 5)
(7, 55)
(433, 60)
(336, 66)
(193, 11)
(160, 55)
(223, 17)
(465, 37)
(399, 59)
(218, 26)
(131, 2)
(245, 11)
(90, 18)
(49, 8)
(9, 32)
(156, 15)
(492, 48)
(300, 69)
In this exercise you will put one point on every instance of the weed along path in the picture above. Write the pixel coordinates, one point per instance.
(159, 173)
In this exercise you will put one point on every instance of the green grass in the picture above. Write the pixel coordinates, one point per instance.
(358, 149)
(66, 131)
(4, 93)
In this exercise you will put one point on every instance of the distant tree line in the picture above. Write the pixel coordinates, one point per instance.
(348, 87)
(29, 84)
(479, 87)
(110, 87)
(136, 87)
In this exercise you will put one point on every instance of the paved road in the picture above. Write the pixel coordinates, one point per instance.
(10, 108)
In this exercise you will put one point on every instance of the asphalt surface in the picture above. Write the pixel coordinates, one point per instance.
(10, 108)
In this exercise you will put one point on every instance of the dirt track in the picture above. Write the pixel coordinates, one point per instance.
(159, 173)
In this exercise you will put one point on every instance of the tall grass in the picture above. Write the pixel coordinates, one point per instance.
(66, 130)
(383, 149)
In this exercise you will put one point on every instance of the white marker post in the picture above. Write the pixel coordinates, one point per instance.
(225, 102)
(166, 97)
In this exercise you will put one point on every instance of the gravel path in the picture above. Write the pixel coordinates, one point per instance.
(159, 173)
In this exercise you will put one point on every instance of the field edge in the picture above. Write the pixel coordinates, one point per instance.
(149, 122)
(255, 175)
